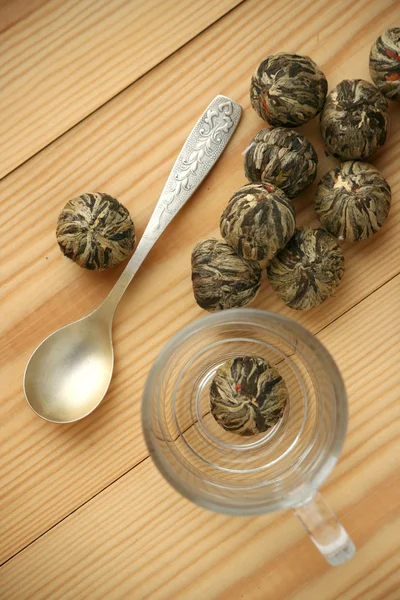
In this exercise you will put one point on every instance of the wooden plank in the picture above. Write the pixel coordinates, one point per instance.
(127, 148)
(60, 60)
(139, 539)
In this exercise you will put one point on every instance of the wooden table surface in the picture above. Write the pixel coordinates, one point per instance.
(99, 96)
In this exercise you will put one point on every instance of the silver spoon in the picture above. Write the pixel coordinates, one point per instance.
(68, 374)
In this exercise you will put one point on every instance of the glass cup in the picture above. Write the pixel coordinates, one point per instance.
(280, 468)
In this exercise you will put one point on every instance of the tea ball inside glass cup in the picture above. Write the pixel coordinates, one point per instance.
(353, 200)
(221, 278)
(247, 395)
(355, 120)
(258, 220)
(308, 269)
(384, 63)
(96, 231)
(282, 157)
(288, 90)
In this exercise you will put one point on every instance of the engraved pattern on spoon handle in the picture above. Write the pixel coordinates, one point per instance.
(199, 154)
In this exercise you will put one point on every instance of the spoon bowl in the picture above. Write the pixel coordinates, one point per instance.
(69, 373)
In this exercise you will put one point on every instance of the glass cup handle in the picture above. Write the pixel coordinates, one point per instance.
(325, 530)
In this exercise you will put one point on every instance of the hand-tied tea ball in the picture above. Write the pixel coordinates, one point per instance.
(355, 120)
(258, 221)
(247, 395)
(282, 157)
(308, 269)
(221, 278)
(288, 89)
(353, 201)
(384, 63)
(96, 231)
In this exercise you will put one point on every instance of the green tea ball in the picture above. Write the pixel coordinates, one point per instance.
(384, 63)
(308, 269)
(258, 221)
(355, 120)
(247, 395)
(96, 231)
(282, 157)
(353, 201)
(221, 278)
(288, 90)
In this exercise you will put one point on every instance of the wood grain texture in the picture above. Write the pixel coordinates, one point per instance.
(140, 539)
(14, 11)
(127, 149)
(60, 60)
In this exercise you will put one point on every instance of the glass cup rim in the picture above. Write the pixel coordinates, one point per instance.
(245, 316)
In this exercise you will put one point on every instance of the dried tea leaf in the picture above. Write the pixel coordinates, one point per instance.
(288, 89)
(247, 395)
(282, 157)
(221, 278)
(355, 120)
(308, 269)
(384, 63)
(258, 221)
(353, 201)
(96, 231)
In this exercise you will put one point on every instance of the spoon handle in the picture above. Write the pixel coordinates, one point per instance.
(199, 154)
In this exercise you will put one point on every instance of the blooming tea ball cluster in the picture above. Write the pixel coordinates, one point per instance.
(384, 63)
(288, 89)
(353, 201)
(282, 157)
(355, 120)
(247, 395)
(305, 265)
(96, 231)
